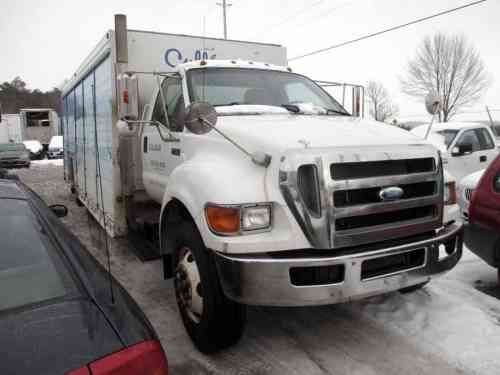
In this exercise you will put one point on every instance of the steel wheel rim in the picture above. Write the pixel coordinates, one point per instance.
(188, 285)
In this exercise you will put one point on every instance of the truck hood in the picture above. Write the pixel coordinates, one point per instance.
(276, 133)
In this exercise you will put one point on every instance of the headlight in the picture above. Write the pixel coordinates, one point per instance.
(256, 217)
(237, 219)
(450, 193)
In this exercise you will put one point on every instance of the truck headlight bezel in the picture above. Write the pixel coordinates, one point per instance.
(239, 219)
(450, 193)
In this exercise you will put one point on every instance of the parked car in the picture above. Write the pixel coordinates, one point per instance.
(56, 311)
(35, 148)
(466, 147)
(56, 147)
(14, 155)
(465, 190)
(482, 234)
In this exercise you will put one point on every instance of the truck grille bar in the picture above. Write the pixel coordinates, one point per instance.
(335, 195)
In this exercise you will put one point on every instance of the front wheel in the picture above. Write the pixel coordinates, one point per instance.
(213, 321)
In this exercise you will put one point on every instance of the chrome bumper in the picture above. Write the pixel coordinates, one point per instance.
(266, 281)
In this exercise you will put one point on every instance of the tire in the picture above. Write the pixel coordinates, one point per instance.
(221, 321)
(413, 288)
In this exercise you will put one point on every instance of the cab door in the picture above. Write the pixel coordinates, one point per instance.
(489, 150)
(160, 157)
(461, 165)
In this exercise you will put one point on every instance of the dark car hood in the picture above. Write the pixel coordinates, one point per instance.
(55, 338)
(11, 154)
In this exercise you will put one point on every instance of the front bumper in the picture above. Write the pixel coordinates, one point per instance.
(483, 242)
(265, 280)
(55, 154)
(14, 163)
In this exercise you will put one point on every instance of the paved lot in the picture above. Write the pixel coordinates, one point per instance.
(450, 327)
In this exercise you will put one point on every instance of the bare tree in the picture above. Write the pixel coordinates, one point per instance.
(450, 67)
(381, 107)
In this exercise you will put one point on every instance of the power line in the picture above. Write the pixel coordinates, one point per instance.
(388, 30)
(289, 17)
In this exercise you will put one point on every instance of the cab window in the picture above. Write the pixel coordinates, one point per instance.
(485, 139)
(470, 137)
(172, 92)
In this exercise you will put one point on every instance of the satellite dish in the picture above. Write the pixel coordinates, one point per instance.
(200, 118)
(433, 103)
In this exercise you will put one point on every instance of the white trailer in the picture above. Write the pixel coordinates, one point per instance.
(255, 186)
(10, 129)
(39, 124)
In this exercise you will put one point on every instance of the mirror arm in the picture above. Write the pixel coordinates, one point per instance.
(156, 124)
(258, 158)
(170, 137)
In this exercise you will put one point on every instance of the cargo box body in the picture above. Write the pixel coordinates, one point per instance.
(39, 124)
(10, 129)
(92, 163)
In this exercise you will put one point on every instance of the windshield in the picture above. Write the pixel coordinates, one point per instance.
(30, 269)
(236, 86)
(449, 135)
(12, 147)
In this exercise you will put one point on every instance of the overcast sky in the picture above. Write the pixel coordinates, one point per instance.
(44, 41)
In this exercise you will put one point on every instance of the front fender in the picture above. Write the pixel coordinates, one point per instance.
(198, 182)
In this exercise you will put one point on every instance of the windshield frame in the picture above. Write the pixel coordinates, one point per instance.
(329, 111)
(441, 131)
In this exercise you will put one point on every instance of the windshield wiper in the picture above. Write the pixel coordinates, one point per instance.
(336, 111)
(228, 104)
(291, 108)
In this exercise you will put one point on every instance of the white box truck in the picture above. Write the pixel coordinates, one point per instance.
(256, 186)
(10, 128)
(39, 124)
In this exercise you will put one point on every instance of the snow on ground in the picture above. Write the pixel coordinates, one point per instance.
(452, 326)
(448, 318)
(44, 162)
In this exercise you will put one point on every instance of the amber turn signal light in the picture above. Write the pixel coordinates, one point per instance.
(223, 219)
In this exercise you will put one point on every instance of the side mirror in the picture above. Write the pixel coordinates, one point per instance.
(59, 210)
(462, 149)
(200, 117)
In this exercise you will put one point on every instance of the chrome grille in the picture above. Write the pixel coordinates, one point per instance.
(468, 194)
(349, 183)
(307, 183)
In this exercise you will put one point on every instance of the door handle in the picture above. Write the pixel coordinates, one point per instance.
(175, 151)
(483, 158)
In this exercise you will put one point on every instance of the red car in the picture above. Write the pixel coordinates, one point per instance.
(483, 232)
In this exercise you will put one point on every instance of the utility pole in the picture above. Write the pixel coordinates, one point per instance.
(224, 5)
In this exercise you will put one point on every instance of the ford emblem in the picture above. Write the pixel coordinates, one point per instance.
(391, 193)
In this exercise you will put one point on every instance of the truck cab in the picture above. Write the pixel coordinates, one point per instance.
(342, 208)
